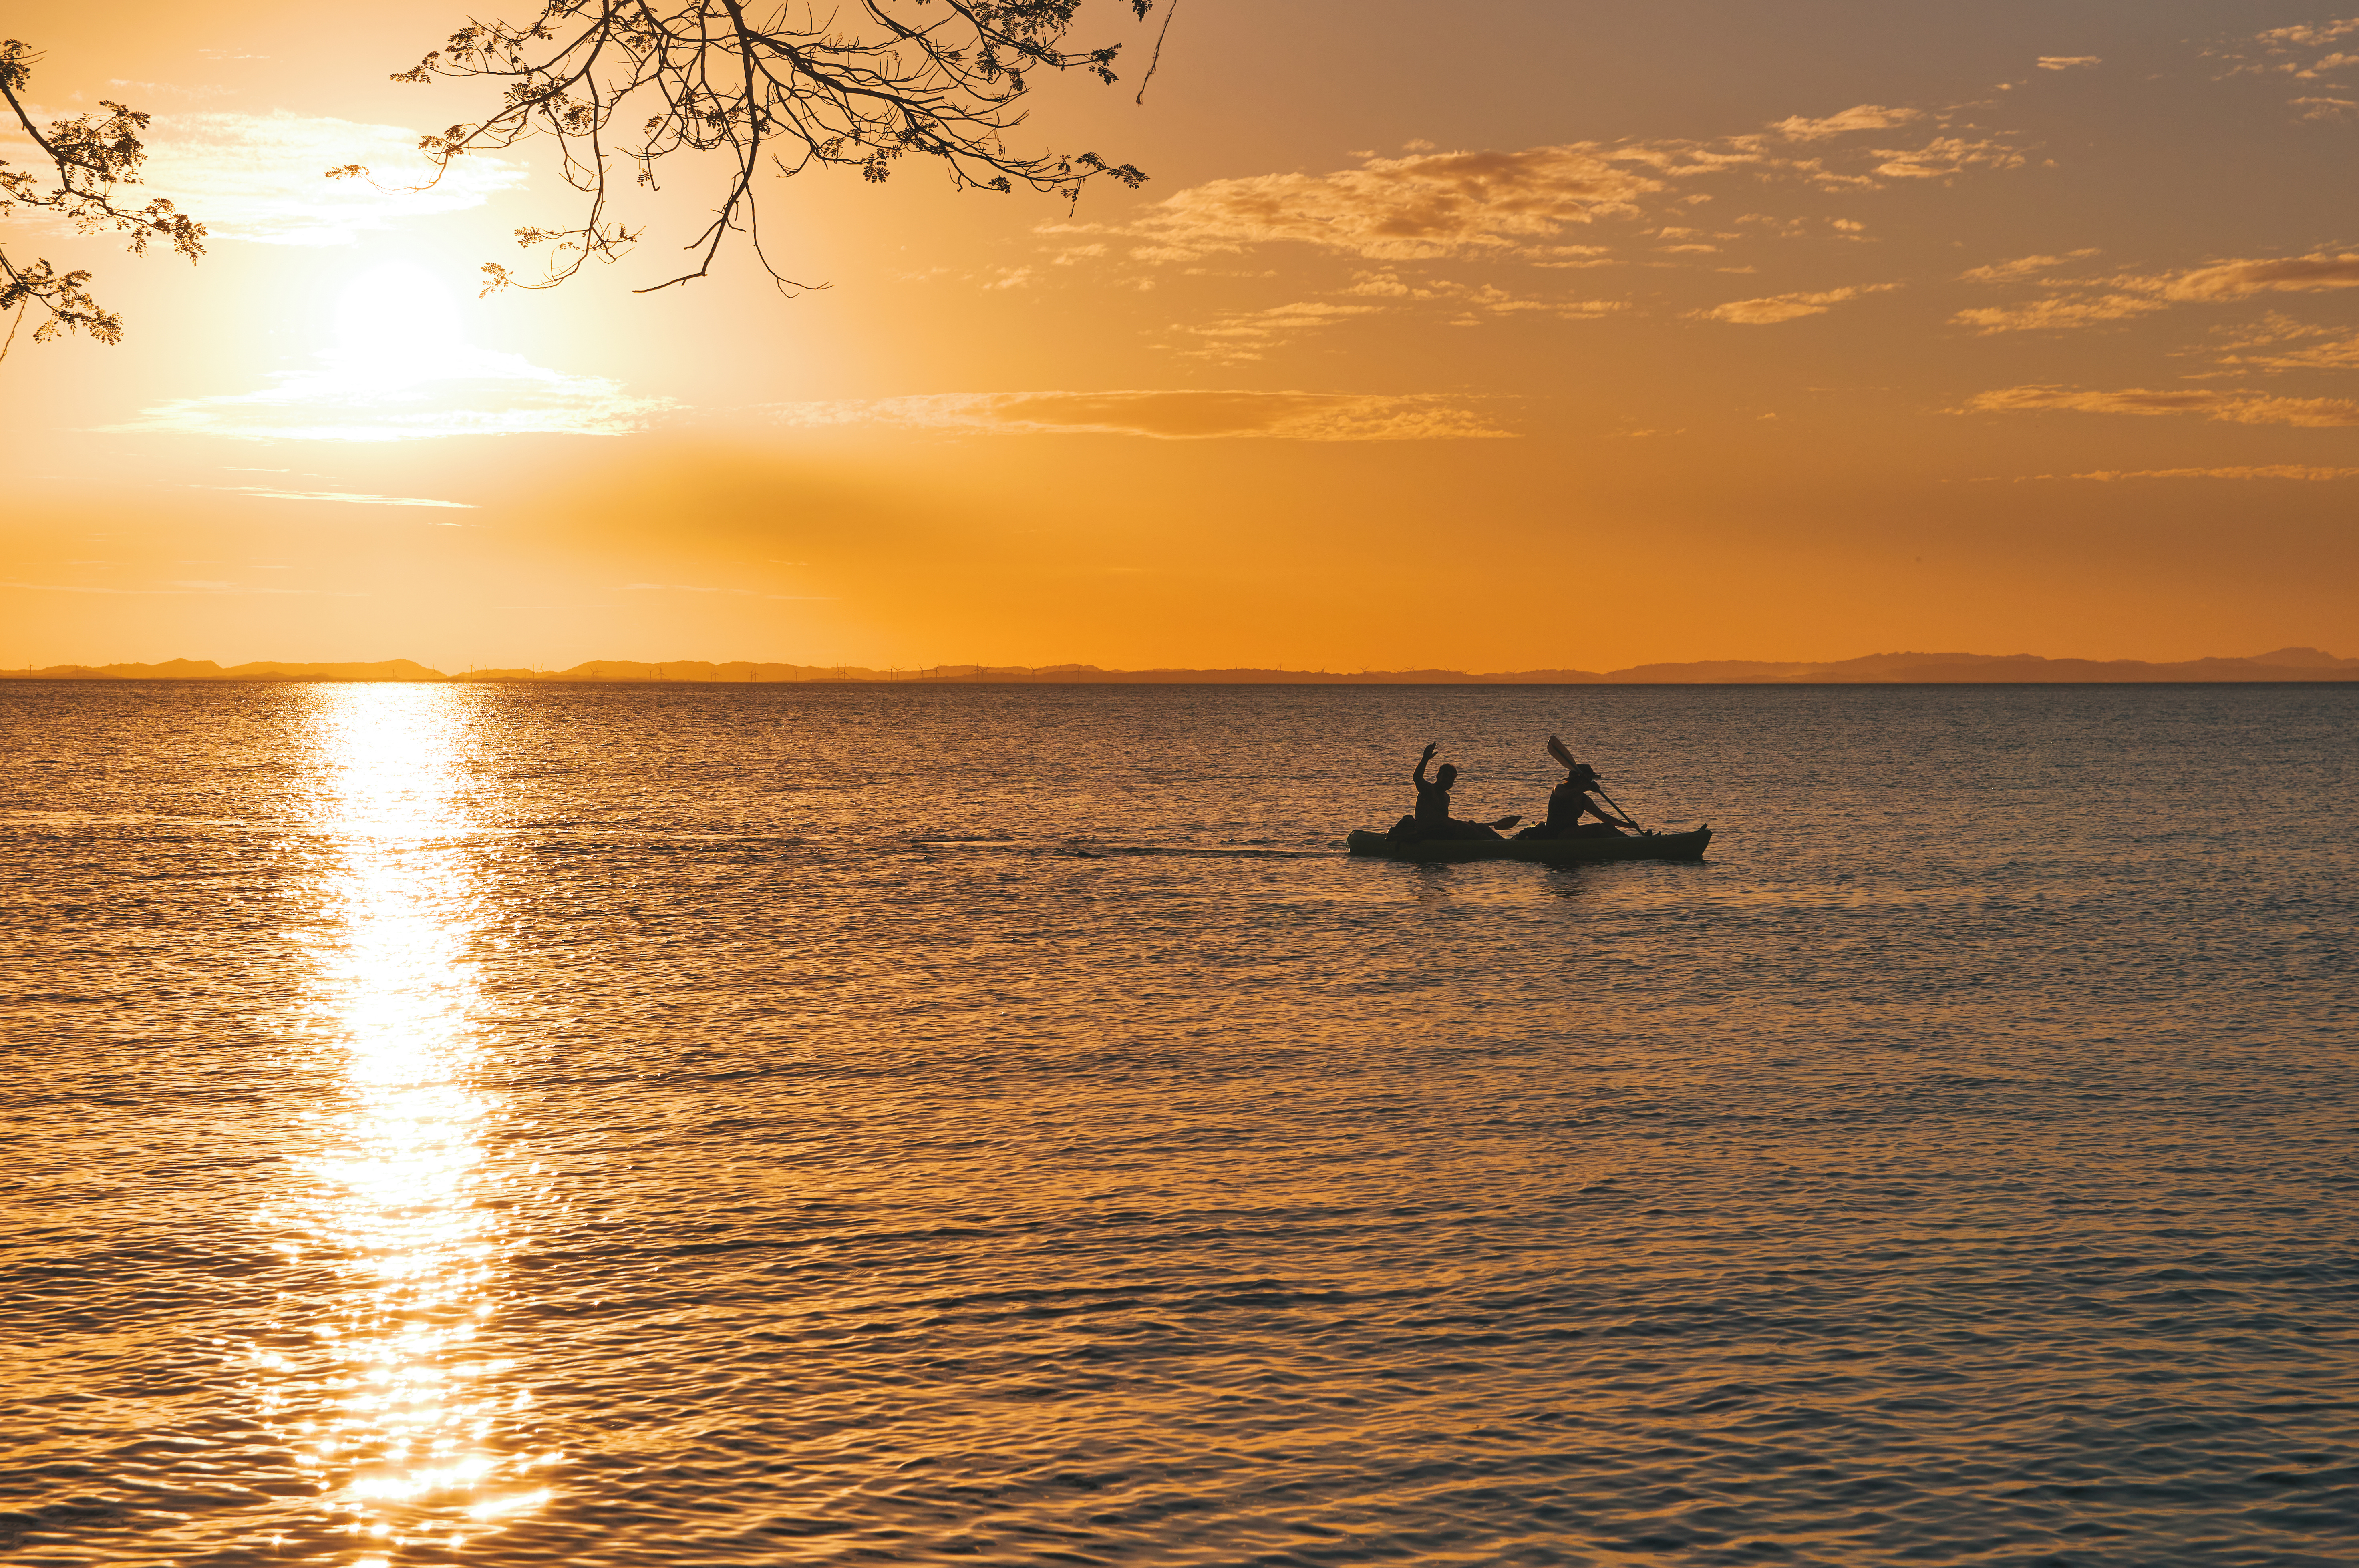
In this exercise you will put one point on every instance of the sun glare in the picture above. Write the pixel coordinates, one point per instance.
(379, 1379)
(396, 324)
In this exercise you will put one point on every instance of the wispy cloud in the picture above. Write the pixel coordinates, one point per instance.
(1945, 157)
(355, 498)
(1859, 117)
(2268, 470)
(1640, 204)
(177, 589)
(462, 391)
(1166, 416)
(2070, 61)
(2082, 302)
(1775, 307)
(2313, 52)
(738, 592)
(1245, 334)
(2305, 52)
(2327, 111)
(79, 587)
(1435, 204)
(2021, 267)
(173, 89)
(1243, 337)
(1429, 205)
(261, 177)
(2233, 279)
(2312, 33)
(2342, 354)
(2056, 314)
(2232, 407)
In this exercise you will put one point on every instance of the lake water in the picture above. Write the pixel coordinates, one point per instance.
(799, 1125)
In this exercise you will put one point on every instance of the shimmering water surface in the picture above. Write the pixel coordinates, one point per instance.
(698, 1125)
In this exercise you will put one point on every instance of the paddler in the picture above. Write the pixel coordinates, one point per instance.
(1432, 818)
(1570, 802)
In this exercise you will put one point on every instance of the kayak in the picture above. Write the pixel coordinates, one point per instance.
(1548, 851)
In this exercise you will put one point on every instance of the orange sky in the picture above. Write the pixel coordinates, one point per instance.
(1553, 335)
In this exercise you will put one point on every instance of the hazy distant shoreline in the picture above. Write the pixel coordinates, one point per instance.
(1873, 669)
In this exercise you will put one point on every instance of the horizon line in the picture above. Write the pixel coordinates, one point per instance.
(2282, 664)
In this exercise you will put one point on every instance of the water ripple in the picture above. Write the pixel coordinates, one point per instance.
(778, 1126)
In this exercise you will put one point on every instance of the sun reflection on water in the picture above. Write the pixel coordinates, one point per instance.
(380, 1381)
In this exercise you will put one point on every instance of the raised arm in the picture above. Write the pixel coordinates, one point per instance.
(1418, 777)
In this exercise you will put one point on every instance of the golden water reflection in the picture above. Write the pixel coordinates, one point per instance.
(380, 1381)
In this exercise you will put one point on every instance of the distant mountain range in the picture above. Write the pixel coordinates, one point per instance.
(1874, 669)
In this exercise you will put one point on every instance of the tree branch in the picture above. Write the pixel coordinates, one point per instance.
(93, 155)
(710, 77)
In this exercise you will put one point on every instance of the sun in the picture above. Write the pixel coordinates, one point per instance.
(396, 324)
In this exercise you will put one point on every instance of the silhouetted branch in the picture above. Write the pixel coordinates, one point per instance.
(1156, 59)
(93, 155)
(794, 88)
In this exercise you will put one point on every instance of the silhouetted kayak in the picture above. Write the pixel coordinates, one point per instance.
(1549, 851)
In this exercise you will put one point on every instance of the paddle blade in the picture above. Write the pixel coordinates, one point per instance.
(1555, 749)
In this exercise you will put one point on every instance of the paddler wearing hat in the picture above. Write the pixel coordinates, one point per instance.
(1570, 802)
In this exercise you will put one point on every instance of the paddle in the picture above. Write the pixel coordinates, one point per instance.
(1617, 806)
(1556, 749)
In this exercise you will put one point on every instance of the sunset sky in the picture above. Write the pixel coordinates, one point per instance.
(1488, 337)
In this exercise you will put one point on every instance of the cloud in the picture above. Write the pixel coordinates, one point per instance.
(2271, 470)
(179, 589)
(2235, 407)
(172, 89)
(1283, 320)
(458, 391)
(2327, 111)
(1242, 337)
(2279, 43)
(73, 587)
(1944, 157)
(259, 176)
(740, 593)
(2056, 314)
(2020, 268)
(2068, 62)
(1164, 415)
(2085, 302)
(355, 497)
(1859, 117)
(1434, 204)
(2288, 51)
(2341, 354)
(1567, 255)
(2312, 412)
(2230, 280)
(1245, 337)
(2311, 33)
(1428, 205)
(1562, 309)
(1779, 308)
